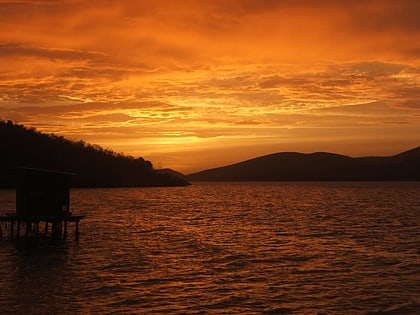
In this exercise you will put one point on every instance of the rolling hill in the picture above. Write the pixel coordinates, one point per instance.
(319, 166)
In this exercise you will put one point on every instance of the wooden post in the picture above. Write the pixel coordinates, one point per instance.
(28, 228)
(37, 228)
(77, 229)
(57, 228)
(54, 228)
(65, 228)
(13, 225)
(18, 228)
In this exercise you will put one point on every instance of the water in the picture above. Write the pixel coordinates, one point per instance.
(226, 248)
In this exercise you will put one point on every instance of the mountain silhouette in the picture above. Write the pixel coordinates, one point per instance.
(319, 166)
(93, 165)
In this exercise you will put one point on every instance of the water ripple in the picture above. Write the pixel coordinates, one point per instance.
(231, 248)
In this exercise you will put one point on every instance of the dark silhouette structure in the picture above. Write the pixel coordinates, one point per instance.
(42, 193)
(42, 197)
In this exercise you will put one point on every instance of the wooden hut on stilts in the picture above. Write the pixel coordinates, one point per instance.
(42, 205)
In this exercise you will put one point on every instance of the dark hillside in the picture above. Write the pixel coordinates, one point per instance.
(93, 165)
(320, 166)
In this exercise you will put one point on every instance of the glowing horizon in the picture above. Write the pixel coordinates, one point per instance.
(193, 85)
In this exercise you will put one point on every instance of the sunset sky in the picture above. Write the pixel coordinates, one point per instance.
(194, 84)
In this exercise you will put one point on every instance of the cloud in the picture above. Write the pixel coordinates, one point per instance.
(274, 81)
(386, 16)
(162, 75)
(17, 50)
(158, 34)
(372, 69)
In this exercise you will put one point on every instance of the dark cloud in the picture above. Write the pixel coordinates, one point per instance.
(17, 50)
(388, 16)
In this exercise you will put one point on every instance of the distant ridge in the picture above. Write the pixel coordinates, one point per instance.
(319, 166)
(93, 165)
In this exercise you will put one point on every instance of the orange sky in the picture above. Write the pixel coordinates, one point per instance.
(197, 84)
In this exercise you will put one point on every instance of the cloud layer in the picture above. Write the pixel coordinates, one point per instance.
(176, 81)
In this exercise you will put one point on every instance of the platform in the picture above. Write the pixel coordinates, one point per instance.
(15, 226)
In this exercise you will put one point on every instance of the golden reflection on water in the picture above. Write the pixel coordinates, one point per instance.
(248, 248)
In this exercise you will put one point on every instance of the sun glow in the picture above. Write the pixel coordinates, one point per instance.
(194, 85)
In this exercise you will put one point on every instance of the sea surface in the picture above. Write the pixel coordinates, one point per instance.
(224, 248)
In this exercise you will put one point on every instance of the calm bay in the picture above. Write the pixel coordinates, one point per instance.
(224, 248)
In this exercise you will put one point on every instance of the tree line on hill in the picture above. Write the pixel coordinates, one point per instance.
(93, 165)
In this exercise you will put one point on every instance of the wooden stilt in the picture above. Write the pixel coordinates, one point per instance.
(77, 229)
(28, 228)
(12, 225)
(65, 228)
(18, 228)
(37, 228)
(54, 228)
